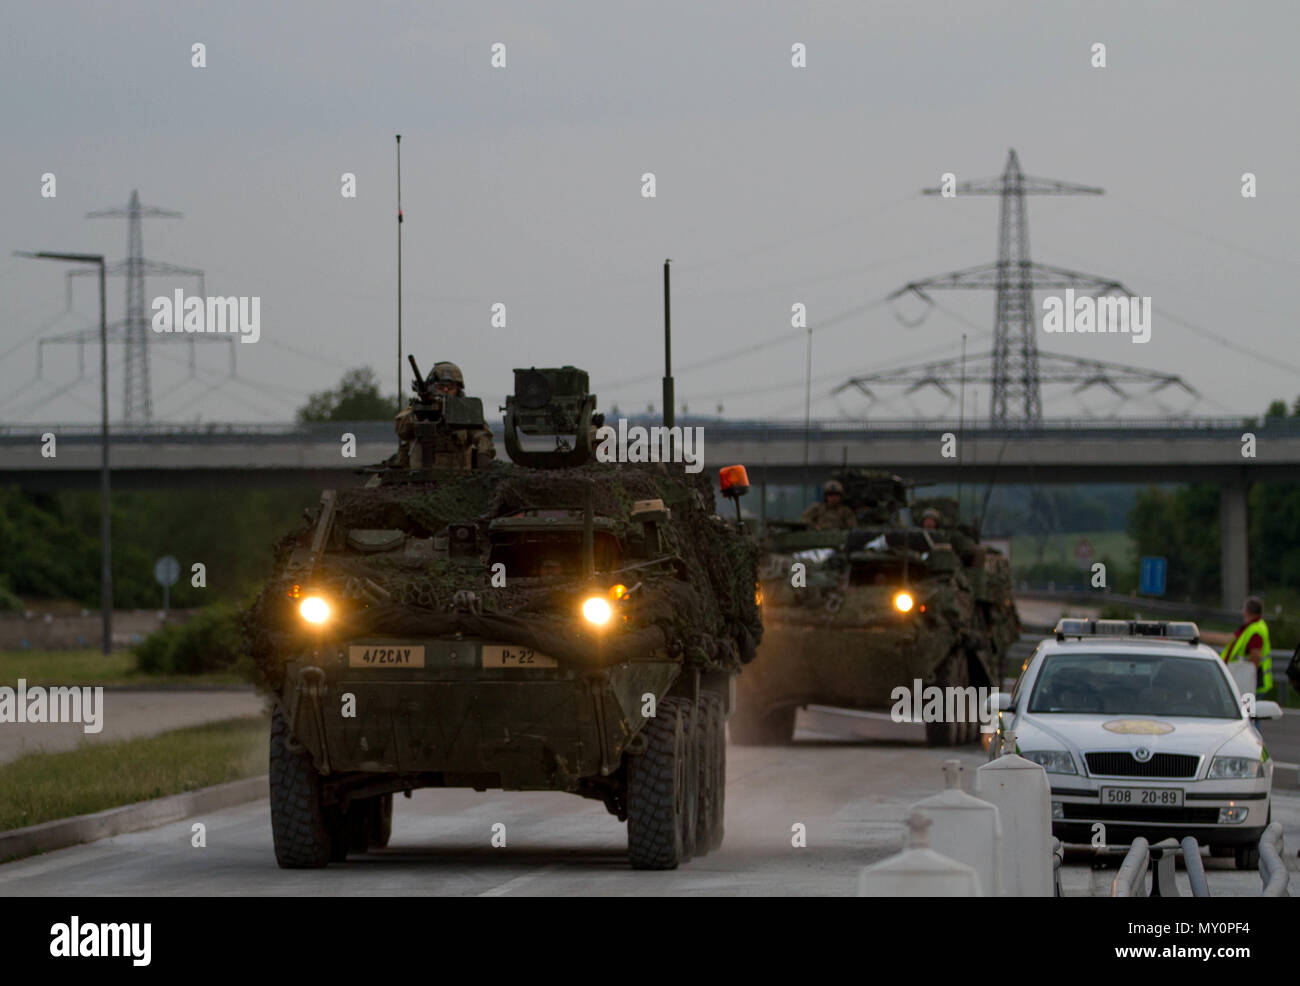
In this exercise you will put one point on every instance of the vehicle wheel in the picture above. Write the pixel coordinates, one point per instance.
(952, 672)
(346, 835)
(940, 734)
(718, 798)
(1247, 856)
(380, 819)
(692, 734)
(300, 824)
(656, 792)
(711, 735)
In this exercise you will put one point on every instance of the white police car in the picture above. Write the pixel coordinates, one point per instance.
(1140, 727)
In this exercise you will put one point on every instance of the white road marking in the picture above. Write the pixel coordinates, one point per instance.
(510, 885)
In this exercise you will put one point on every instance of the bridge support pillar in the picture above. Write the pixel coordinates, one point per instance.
(1233, 546)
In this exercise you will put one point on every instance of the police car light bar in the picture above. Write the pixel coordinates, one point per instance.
(1165, 630)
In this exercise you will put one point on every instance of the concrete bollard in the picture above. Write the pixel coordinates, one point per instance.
(918, 871)
(966, 829)
(1023, 797)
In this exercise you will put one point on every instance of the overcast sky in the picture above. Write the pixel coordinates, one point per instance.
(522, 185)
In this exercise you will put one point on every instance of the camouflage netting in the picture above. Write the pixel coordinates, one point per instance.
(709, 617)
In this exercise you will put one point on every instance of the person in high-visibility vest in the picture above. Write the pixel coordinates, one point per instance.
(1251, 642)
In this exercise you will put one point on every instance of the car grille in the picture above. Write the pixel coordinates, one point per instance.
(1169, 765)
(1132, 813)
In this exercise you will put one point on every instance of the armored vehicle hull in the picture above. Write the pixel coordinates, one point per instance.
(571, 629)
(852, 616)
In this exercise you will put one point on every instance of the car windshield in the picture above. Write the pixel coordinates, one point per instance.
(1133, 684)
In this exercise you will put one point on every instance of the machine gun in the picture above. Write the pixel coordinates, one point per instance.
(436, 420)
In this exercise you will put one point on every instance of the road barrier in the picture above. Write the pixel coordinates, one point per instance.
(965, 829)
(1159, 860)
(1058, 857)
(1195, 868)
(1272, 870)
(919, 871)
(1020, 791)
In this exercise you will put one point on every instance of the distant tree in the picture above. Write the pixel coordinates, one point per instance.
(1182, 525)
(1276, 409)
(357, 398)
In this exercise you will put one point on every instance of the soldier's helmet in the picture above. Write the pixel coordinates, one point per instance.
(832, 486)
(447, 374)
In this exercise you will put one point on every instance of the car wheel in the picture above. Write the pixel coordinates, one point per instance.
(1247, 857)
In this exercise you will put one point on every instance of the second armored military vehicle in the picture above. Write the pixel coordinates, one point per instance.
(551, 624)
(850, 615)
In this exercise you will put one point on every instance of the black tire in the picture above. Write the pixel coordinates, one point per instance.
(300, 824)
(717, 799)
(380, 820)
(705, 740)
(656, 788)
(940, 734)
(774, 729)
(952, 672)
(692, 733)
(1247, 856)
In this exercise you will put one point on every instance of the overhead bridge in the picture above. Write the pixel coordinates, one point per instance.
(1225, 452)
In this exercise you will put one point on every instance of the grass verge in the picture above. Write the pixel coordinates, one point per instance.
(90, 667)
(40, 787)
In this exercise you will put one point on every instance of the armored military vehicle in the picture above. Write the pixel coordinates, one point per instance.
(850, 615)
(554, 623)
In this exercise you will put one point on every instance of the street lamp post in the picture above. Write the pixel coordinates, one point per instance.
(105, 527)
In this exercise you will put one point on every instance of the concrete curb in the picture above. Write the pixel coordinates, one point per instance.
(64, 832)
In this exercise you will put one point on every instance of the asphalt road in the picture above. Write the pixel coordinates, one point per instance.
(848, 779)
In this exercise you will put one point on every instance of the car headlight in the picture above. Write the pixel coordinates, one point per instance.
(1052, 761)
(314, 609)
(596, 610)
(903, 601)
(1235, 768)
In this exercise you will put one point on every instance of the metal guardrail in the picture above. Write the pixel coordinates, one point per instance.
(1131, 880)
(1146, 604)
(1195, 868)
(1160, 860)
(1272, 870)
(1058, 858)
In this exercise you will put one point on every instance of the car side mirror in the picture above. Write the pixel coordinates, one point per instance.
(1004, 701)
(1267, 710)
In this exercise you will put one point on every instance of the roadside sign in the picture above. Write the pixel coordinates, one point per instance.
(166, 570)
(1151, 578)
(1083, 553)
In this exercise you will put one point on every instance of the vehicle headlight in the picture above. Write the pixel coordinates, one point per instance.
(1052, 761)
(903, 601)
(314, 609)
(596, 610)
(1235, 768)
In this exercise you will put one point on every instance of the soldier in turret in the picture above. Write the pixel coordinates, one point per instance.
(831, 513)
(471, 446)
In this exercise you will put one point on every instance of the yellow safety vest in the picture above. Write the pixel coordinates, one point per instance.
(1237, 648)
